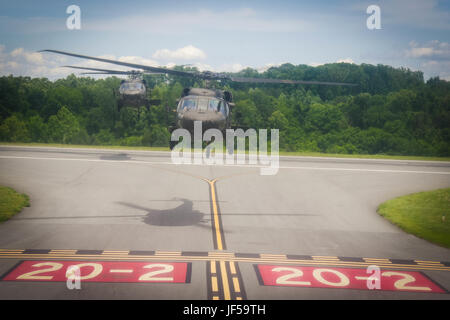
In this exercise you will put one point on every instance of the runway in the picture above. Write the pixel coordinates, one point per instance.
(214, 232)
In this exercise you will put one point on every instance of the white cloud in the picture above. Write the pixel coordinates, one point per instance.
(437, 68)
(267, 66)
(347, 60)
(231, 67)
(21, 62)
(34, 58)
(432, 50)
(315, 64)
(139, 60)
(433, 57)
(186, 53)
(17, 52)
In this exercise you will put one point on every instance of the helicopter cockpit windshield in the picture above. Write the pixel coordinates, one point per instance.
(188, 104)
(199, 104)
(132, 86)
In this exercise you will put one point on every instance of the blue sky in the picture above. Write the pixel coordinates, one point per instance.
(225, 35)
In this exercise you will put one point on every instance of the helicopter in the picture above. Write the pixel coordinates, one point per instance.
(212, 107)
(132, 92)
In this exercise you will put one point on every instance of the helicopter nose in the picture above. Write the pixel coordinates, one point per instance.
(208, 119)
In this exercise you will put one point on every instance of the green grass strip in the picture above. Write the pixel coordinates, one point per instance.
(424, 214)
(11, 202)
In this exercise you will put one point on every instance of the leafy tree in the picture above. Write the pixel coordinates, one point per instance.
(156, 136)
(13, 129)
(37, 129)
(64, 128)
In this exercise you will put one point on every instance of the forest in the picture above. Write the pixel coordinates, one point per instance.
(392, 111)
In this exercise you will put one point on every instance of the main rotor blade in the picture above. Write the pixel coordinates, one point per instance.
(266, 80)
(103, 73)
(105, 70)
(112, 71)
(126, 64)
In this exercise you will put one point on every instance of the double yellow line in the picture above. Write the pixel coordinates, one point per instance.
(219, 240)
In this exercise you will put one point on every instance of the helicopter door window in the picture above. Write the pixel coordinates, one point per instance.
(214, 105)
(202, 105)
(189, 104)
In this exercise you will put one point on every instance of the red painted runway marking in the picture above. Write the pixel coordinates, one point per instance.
(344, 278)
(102, 271)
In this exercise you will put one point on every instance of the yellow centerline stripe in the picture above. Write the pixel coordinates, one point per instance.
(236, 285)
(232, 267)
(219, 241)
(214, 284)
(213, 267)
(225, 283)
(215, 214)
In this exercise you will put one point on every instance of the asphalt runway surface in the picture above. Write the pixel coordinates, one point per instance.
(140, 227)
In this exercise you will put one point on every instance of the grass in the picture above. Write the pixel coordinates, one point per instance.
(424, 214)
(363, 156)
(11, 202)
(282, 153)
(60, 145)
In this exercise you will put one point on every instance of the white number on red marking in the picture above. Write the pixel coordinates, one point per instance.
(32, 275)
(345, 278)
(401, 284)
(296, 273)
(97, 269)
(150, 276)
(102, 271)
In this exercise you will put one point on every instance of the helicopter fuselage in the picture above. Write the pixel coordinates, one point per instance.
(132, 93)
(206, 106)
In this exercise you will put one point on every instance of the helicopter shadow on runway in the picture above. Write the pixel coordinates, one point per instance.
(183, 215)
(116, 156)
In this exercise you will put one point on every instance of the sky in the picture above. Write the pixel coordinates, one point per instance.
(225, 35)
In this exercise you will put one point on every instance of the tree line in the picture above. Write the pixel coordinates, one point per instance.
(391, 111)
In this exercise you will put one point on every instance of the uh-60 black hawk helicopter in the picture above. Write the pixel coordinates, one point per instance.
(132, 92)
(210, 106)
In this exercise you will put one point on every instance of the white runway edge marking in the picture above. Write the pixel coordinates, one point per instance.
(228, 165)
